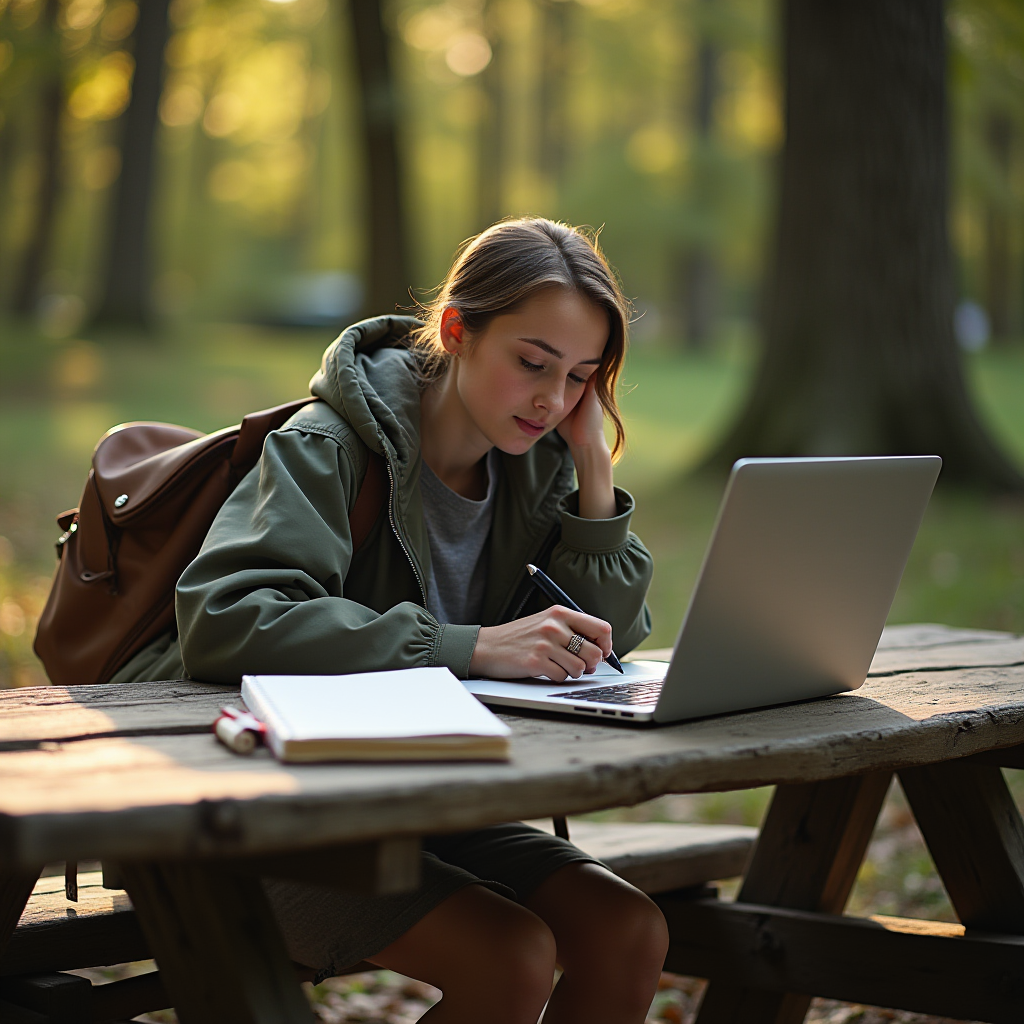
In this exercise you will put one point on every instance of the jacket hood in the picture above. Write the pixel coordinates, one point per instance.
(368, 376)
(371, 360)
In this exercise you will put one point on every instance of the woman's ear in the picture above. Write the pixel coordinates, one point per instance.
(452, 331)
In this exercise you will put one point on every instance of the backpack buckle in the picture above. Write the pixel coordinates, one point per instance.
(65, 537)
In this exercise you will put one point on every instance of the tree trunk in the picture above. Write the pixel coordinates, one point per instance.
(8, 155)
(699, 288)
(387, 271)
(997, 233)
(551, 97)
(126, 286)
(51, 108)
(859, 356)
(491, 130)
(697, 279)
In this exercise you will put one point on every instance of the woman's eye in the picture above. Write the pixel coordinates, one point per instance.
(577, 380)
(530, 366)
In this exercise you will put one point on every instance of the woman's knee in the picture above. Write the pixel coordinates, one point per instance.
(479, 941)
(602, 920)
(632, 927)
(643, 921)
(516, 954)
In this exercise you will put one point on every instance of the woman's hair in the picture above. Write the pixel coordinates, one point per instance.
(498, 270)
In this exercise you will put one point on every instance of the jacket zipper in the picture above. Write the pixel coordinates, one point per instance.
(522, 605)
(394, 527)
(529, 590)
(408, 553)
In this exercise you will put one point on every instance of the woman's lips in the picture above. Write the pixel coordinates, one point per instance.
(530, 427)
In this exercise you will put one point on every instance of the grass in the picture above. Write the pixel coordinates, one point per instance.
(967, 568)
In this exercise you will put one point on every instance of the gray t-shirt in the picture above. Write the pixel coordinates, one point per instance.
(458, 530)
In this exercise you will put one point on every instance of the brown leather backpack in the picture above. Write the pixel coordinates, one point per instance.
(151, 495)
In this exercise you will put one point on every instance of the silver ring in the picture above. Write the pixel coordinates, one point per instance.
(575, 643)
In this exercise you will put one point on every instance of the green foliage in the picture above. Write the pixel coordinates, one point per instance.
(259, 152)
(259, 144)
(987, 92)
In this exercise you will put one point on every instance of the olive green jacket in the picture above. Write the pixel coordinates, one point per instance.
(276, 587)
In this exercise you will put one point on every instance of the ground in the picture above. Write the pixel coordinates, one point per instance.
(57, 396)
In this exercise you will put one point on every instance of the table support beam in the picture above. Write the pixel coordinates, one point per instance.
(378, 866)
(15, 888)
(910, 965)
(976, 838)
(807, 857)
(216, 943)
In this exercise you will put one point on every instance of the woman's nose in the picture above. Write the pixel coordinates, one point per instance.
(551, 399)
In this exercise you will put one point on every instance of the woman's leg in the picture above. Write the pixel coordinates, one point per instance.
(611, 942)
(492, 959)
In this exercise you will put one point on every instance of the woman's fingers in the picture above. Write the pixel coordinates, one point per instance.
(565, 666)
(591, 655)
(596, 630)
(586, 659)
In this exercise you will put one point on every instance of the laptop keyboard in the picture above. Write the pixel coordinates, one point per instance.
(641, 692)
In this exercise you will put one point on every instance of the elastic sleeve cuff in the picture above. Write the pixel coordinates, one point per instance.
(596, 536)
(454, 648)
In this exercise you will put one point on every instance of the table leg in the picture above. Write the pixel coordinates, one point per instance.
(15, 889)
(807, 857)
(976, 838)
(216, 943)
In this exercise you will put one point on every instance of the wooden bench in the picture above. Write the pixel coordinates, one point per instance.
(55, 935)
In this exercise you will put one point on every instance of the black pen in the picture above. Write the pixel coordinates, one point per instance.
(554, 592)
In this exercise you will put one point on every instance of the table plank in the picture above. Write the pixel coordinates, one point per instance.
(35, 714)
(185, 794)
(52, 933)
(187, 707)
(932, 634)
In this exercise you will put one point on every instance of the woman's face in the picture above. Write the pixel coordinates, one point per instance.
(521, 376)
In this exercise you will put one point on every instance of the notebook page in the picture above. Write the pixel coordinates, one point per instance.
(367, 705)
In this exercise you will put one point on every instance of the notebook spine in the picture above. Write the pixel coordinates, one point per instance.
(263, 708)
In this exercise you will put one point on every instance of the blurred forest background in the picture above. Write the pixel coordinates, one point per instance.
(196, 195)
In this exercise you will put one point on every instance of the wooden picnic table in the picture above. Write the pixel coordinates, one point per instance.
(131, 774)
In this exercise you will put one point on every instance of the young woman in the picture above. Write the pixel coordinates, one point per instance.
(482, 413)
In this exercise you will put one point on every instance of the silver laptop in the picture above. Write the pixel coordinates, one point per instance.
(796, 585)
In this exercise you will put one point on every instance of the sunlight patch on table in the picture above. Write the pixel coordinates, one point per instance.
(114, 774)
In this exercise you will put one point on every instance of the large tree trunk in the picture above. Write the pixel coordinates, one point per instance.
(552, 88)
(490, 165)
(697, 269)
(859, 356)
(51, 109)
(8, 155)
(126, 285)
(998, 260)
(387, 270)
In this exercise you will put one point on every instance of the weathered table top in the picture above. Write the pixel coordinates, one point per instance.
(132, 770)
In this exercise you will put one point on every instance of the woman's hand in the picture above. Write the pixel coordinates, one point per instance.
(583, 428)
(583, 431)
(536, 646)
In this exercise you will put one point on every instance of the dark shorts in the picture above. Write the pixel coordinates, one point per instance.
(331, 929)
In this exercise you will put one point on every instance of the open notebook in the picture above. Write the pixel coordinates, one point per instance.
(415, 714)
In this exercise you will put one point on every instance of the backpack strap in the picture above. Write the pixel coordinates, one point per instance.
(371, 496)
